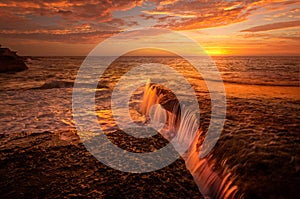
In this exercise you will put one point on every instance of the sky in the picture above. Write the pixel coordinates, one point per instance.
(75, 27)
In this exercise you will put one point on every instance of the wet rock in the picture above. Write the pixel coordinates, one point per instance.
(41, 165)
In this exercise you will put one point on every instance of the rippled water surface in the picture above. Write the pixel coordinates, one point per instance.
(39, 99)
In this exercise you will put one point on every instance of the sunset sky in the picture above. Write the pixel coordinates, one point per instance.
(228, 27)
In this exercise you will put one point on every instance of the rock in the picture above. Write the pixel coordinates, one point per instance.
(41, 165)
(10, 61)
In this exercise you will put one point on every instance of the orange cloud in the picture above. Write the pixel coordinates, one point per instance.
(187, 15)
(273, 26)
(61, 36)
(62, 20)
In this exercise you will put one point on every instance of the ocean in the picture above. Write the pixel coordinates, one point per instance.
(259, 144)
(39, 99)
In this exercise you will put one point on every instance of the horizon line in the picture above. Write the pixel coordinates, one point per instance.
(161, 56)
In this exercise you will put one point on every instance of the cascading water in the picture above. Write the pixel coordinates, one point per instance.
(150, 98)
(177, 128)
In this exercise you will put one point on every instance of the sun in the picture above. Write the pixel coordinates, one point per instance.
(216, 50)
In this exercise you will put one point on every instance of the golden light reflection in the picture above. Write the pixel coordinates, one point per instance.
(248, 91)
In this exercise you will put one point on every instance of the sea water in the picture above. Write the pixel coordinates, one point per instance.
(260, 139)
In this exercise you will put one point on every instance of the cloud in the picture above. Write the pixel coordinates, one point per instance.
(185, 15)
(66, 15)
(198, 14)
(259, 37)
(61, 36)
(273, 26)
(62, 20)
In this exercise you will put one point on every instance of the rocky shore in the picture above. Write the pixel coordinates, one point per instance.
(57, 165)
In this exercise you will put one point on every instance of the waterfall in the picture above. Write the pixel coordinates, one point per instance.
(150, 98)
(178, 123)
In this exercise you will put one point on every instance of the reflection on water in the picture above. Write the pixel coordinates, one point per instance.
(254, 91)
(49, 108)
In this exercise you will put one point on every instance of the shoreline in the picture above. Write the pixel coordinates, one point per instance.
(42, 165)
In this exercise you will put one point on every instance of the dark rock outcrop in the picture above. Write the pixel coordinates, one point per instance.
(10, 61)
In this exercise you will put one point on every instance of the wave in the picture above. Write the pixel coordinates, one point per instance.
(67, 84)
(56, 84)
